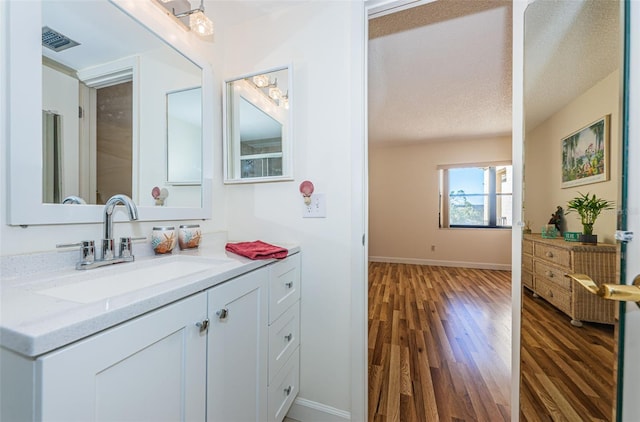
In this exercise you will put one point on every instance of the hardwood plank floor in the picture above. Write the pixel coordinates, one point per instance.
(567, 373)
(439, 343)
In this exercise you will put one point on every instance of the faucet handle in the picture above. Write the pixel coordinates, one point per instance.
(87, 250)
(125, 246)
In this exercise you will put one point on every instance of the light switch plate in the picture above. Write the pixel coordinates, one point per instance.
(317, 208)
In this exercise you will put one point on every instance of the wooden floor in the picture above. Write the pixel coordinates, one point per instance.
(567, 373)
(439, 343)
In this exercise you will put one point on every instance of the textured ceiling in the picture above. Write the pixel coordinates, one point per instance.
(569, 47)
(441, 71)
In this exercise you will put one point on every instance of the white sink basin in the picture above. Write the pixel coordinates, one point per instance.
(129, 277)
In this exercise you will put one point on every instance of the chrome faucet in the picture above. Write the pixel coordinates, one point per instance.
(109, 207)
(107, 257)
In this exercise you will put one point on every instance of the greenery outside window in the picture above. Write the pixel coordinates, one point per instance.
(476, 195)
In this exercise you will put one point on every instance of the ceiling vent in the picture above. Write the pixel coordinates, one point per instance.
(55, 40)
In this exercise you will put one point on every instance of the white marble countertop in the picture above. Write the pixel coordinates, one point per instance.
(33, 323)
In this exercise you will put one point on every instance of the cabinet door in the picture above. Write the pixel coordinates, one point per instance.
(152, 368)
(237, 350)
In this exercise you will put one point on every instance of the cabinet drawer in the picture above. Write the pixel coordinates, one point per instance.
(559, 298)
(527, 263)
(285, 389)
(527, 247)
(527, 279)
(284, 338)
(552, 275)
(552, 254)
(284, 285)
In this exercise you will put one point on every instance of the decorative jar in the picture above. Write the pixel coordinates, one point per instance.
(189, 236)
(163, 239)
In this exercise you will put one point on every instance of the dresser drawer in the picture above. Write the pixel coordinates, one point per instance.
(527, 247)
(527, 279)
(284, 390)
(552, 275)
(559, 298)
(552, 254)
(284, 338)
(284, 285)
(527, 263)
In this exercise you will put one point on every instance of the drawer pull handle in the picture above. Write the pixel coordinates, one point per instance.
(287, 390)
(223, 313)
(288, 337)
(549, 254)
(550, 293)
(204, 325)
(289, 284)
(549, 274)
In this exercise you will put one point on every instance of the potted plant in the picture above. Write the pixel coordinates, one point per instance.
(589, 208)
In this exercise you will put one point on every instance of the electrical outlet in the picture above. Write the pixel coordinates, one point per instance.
(317, 208)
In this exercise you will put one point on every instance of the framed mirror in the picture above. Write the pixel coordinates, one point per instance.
(573, 80)
(106, 59)
(257, 118)
(184, 137)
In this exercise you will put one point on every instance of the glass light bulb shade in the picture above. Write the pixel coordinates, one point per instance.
(284, 102)
(275, 93)
(261, 80)
(200, 23)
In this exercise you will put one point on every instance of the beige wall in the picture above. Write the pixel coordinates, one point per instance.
(403, 206)
(543, 157)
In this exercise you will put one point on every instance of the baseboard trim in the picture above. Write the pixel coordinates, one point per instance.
(304, 410)
(462, 264)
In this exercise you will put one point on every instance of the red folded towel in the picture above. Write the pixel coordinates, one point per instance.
(257, 250)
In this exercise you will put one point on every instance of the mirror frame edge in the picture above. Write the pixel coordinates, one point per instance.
(287, 149)
(23, 66)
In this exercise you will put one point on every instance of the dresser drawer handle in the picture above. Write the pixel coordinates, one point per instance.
(548, 274)
(550, 293)
(549, 254)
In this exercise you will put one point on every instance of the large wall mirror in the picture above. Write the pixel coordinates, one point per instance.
(112, 108)
(573, 61)
(257, 116)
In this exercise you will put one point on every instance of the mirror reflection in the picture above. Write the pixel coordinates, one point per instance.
(122, 78)
(572, 81)
(257, 118)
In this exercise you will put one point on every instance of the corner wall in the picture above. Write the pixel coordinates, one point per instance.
(404, 206)
(543, 160)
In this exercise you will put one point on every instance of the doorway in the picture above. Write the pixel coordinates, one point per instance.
(415, 129)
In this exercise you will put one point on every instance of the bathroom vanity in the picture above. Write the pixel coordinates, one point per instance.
(216, 339)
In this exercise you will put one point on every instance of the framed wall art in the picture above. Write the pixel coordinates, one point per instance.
(585, 155)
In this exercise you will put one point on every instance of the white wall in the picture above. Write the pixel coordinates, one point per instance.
(316, 37)
(404, 206)
(543, 157)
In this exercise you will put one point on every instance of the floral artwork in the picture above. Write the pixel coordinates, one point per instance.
(585, 155)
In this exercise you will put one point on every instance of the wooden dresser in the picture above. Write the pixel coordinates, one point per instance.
(546, 261)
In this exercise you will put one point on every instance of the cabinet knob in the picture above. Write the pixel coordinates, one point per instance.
(287, 390)
(222, 313)
(549, 274)
(203, 325)
(549, 254)
(288, 337)
(289, 284)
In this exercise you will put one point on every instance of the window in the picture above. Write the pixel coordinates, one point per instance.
(476, 196)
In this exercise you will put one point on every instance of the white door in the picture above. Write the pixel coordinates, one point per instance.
(631, 365)
(237, 349)
(152, 368)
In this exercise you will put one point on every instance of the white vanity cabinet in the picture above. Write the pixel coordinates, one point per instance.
(151, 368)
(229, 353)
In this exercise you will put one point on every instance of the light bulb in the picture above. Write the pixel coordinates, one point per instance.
(200, 23)
(261, 81)
(275, 93)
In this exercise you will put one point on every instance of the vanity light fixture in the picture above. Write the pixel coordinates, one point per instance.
(198, 21)
(262, 81)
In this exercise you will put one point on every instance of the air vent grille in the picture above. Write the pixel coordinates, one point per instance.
(55, 40)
